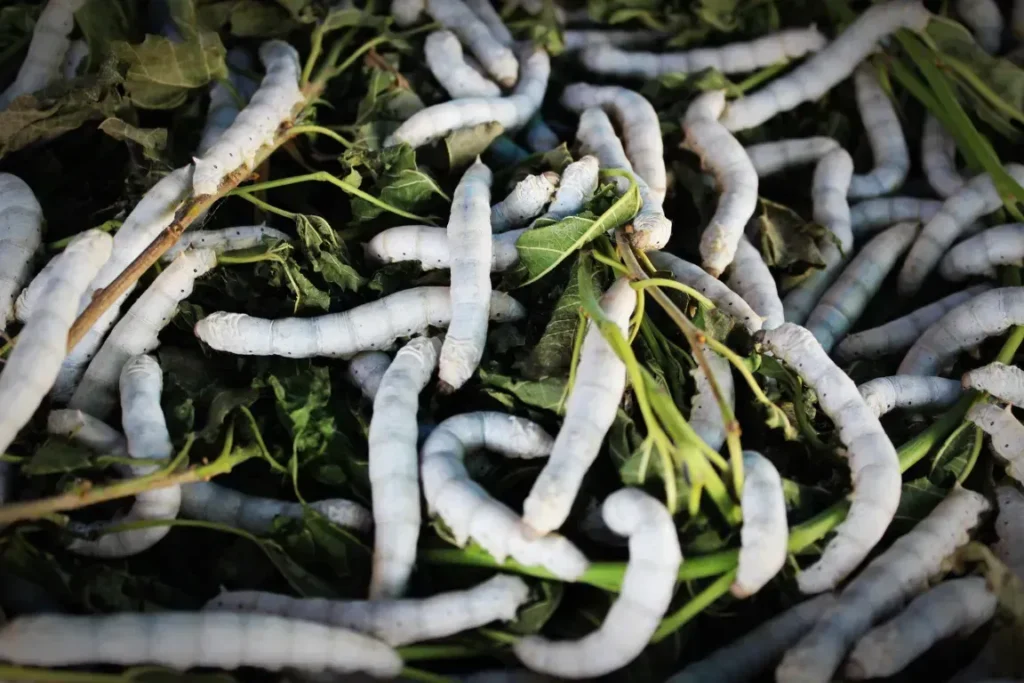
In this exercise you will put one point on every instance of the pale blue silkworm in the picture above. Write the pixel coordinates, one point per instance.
(751, 279)
(1003, 382)
(985, 20)
(765, 531)
(725, 299)
(443, 54)
(885, 394)
(871, 214)
(770, 158)
(493, 53)
(1006, 435)
(982, 254)
(938, 158)
(888, 146)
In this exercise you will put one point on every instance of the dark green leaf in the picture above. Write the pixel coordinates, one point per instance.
(553, 353)
(466, 144)
(531, 619)
(394, 276)
(256, 19)
(326, 252)
(57, 456)
(788, 242)
(105, 21)
(545, 394)
(161, 72)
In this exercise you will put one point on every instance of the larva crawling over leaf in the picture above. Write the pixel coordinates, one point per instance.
(985, 21)
(740, 57)
(539, 136)
(885, 394)
(705, 413)
(580, 39)
(395, 622)
(429, 246)
(179, 640)
(938, 158)
(871, 214)
(46, 51)
(366, 370)
(225, 239)
(980, 255)
(885, 584)
(647, 588)
(1006, 435)
(901, 333)
(1009, 528)
(725, 299)
(953, 608)
(765, 531)
(443, 53)
(255, 126)
(577, 184)
(769, 158)
(526, 200)
(735, 175)
(747, 656)
(21, 233)
(888, 146)
(511, 112)
(972, 201)
(841, 306)
(407, 12)
(224, 105)
(874, 466)
(986, 315)
(750, 278)
(494, 55)
(589, 412)
(470, 512)
(394, 472)
(371, 327)
(1003, 382)
(825, 69)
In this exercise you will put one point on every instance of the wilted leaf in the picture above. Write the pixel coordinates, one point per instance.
(464, 145)
(161, 72)
(327, 253)
(788, 242)
(256, 19)
(152, 140)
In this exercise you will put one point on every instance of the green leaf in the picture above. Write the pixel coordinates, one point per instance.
(545, 394)
(553, 353)
(917, 499)
(397, 181)
(531, 619)
(183, 14)
(161, 72)
(152, 140)
(57, 456)
(105, 21)
(464, 145)
(326, 252)
(224, 402)
(256, 19)
(302, 397)
(788, 242)
(394, 276)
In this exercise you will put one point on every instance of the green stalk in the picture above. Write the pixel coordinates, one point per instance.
(694, 606)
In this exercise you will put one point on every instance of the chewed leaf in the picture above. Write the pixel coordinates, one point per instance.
(465, 145)
(152, 140)
(161, 72)
(788, 241)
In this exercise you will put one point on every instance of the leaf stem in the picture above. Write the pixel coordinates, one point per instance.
(269, 208)
(312, 129)
(672, 284)
(694, 606)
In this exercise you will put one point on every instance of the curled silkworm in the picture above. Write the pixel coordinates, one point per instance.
(443, 53)
(938, 158)
(366, 370)
(371, 327)
(874, 466)
(1003, 382)
(539, 136)
(900, 334)
(885, 394)
(884, 585)
(888, 146)
(494, 55)
(579, 39)
(429, 246)
(871, 214)
(823, 70)
(985, 21)
(1006, 435)
(407, 12)
(765, 530)
(225, 239)
(705, 413)
(589, 412)
(224, 104)
(769, 158)
(1009, 528)
(986, 315)
(751, 279)
(46, 51)
(526, 200)
(981, 254)
(577, 184)
(843, 303)
(21, 233)
(487, 14)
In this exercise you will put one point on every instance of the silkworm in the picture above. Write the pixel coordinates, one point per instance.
(487, 14)
(769, 158)
(901, 333)
(366, 370)
(429, 246)
(765, 530)
(874, 466)
(1009, 528)
(841, 306)
(651, 229)
(147, 437)
(394, 477)
(953, 608)
(985, 21)
(972, 201)
(903, 570)
(747, 656)
(138, 331)
(723, 154)
(725, 299)
(1003, 382)
(829, 187)
(980, 255)
(774, 48)
(526, 200)
(1006, 434)
(511, 112)
(539, 136)
(21, 233)
(371, 327)
(78, 52)
(395, 622)
(407, 12)
(938, 158)
(885, 394)
(705, 414)
(255, 126)
(577, 184)
(986, 315)
(888, 146)
(579, 39)
(87, 430)
(470, 512)
(443, 53)
(647, 588)
(184, 640)
(589, 412)
(224, 105)
(494, 55)
(871, 214)
(225, 239)
(749, 277)
(46, 50)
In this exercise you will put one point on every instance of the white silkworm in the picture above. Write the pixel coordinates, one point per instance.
(138, 330)
(183, 640)
(750, 278)
(721, 296)
(986, 315)
(705, 413)
(954, 608)
(46, 51)
(225, 239)
(885, 584)
(765, 531)
(972, 201)
(651, 229)
(1009, 528)
(589, 412)
(980, 255)
(526, 200)
(885, 394)
(723, 154)
(429, 246)
(394, 475)
(647, 588)
(511, 112)
(769, 158)
(443, 53)
(78, 52)
(985, 21)
(938, 158)
(1003, 382)
(147, 437)
(577, 184)
(371, 327)
(871, 214)
(888, 146)
(842, 304)
(774, 48)
(874, 466)
(255, 126)
(823, 70)
(494, 55)
(21, 233)
(900, 334)
(407, 12)
(87, 430)
(487, 14)
(366, 370)
(224, 105)
(395, 622)
(579, 39)
(1006, 434)
(470, 512)
(539, 136)
(829, 188)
